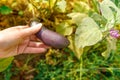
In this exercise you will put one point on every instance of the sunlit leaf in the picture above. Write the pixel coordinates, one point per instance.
(81, 7)
(77, 51)
(87, 33)
(52, 3)
(110, 11)
(4, 63)
(20, 13)
(37, 0)
(96, 5)
(109, 25)
(64, 28)
(99, 19)
(106, 11)
(5, 10)
(111, 46)
(77, 17)
(118, 17)
(31, 7)
(62, 5)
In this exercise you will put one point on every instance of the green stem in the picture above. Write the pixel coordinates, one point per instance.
(81, 65)
(55, 4)
(96, 6)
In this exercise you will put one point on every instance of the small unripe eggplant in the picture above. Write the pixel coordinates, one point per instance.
(50, 37)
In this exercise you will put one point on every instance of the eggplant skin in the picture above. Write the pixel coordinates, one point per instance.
(51, 38)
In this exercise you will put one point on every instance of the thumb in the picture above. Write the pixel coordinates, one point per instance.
(31, 30)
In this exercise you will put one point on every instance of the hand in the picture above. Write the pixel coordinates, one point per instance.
(20, 39)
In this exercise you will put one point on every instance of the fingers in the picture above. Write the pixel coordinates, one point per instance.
(34, 38)
(37, 45)
(30, 50)
(15, 28)
(20, 27)
(31, 30)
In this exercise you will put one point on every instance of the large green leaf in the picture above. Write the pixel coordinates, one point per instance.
(5, 62)
(77, 17)
(64, 28)
(87, 33)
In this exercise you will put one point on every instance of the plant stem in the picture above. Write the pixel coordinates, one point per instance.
(81, 63)
(96, 5)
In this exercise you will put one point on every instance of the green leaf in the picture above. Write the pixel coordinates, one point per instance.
(95, 5)
(77, 17)
(52, 3)
(77, 51)
(31, 7)
(87, 33)
(62, 5)
(5, 10)
(110, 24)
(118, 17)
(5, 62)
(106, 11)
(116, 2)
(80, 6)
(8, 73)
(110, 11)
(64, 28)
(37, 0)
(20, 13)
(111, 46)
(99, 19)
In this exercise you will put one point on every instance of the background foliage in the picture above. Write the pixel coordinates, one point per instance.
(92, 27)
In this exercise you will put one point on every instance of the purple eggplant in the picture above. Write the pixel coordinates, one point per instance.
(50, 37)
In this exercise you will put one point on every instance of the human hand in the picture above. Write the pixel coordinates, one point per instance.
(20, 39)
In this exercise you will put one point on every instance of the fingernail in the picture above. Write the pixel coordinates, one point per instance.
(38, 25)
